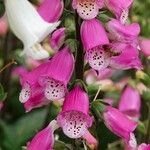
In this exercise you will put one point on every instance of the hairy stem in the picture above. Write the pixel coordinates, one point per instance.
(79, 66)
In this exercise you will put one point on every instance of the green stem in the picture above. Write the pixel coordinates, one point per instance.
(79, 66)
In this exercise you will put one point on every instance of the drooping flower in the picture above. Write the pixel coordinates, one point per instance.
(54, 81)
(130, 102)
(120, 124)
(44, 139)
(51, 10)
(129, 58)
(29, 82)
(97, 57)
(123, 33)
(29, 27)
(3, 25)
(145, 46)
(144, 147)
(90, 140)
(120, 8)
(87, 9)
(74, 118)
(57, 39)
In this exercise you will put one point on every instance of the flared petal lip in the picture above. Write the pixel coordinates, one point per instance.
(89, 119)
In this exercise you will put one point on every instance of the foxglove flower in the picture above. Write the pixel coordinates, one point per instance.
(144, 147)
(29, 82)
(44, 139)
(74, 118)
(97, 57)
(87, 9)
(3, 25)
(51, 10)
(29, 27)
(145, 46)
(90, 140)
(55, 80)
(120, 124)
(130, 102)
(123, 33)
(129, 58)
(57, 39)
(120, 8)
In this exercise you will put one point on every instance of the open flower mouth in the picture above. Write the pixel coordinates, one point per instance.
(74, 124)
(54, 89)
(87, 9)
(98, 58)
(25, 93)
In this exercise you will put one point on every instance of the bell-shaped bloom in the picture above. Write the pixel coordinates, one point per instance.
(129, 58)
(57, 39)
(19, 71)
(123, 33)
(51, 10)
(58, 74)
(3, 25)
(130, 102)
(144, 147)
(120, 8)
(120, 124)
(29, 82)
(97, 57)
(87, 9)
(90, 140)
(44, 139)
(145, 46)
(29, 27)
(74, 118)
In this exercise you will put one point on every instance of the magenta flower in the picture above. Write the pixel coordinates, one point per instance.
(29, 82)
(120, 8)
(57, 39)
(123, 33)
(144, 147)
(145, 46)
(130, 102)
(51, 10)
(3, 25)
(120, 124)
(74, 118)
(54, 81)
(97, 57)
(90, 140)
(44, 139)
(129, 58)
(87, 9)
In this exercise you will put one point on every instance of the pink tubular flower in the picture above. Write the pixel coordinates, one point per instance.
(57, 39)
(123, 33)
(130, 102)
(127, 59)
(29, 82)
(58, 74)
(44, 139)
(120, 8)
(120, 124)
(144, 147)
(51, 10)
(87, 9)
(90, 140)
(97, 57)
(145, 46)
(74, 118)
(3, 25)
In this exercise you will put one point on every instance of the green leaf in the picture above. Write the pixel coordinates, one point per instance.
(73, 44)
(141, 127)
(16, 135)
(3, 95)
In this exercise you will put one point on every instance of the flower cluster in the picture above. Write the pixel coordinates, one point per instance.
(108, 47)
